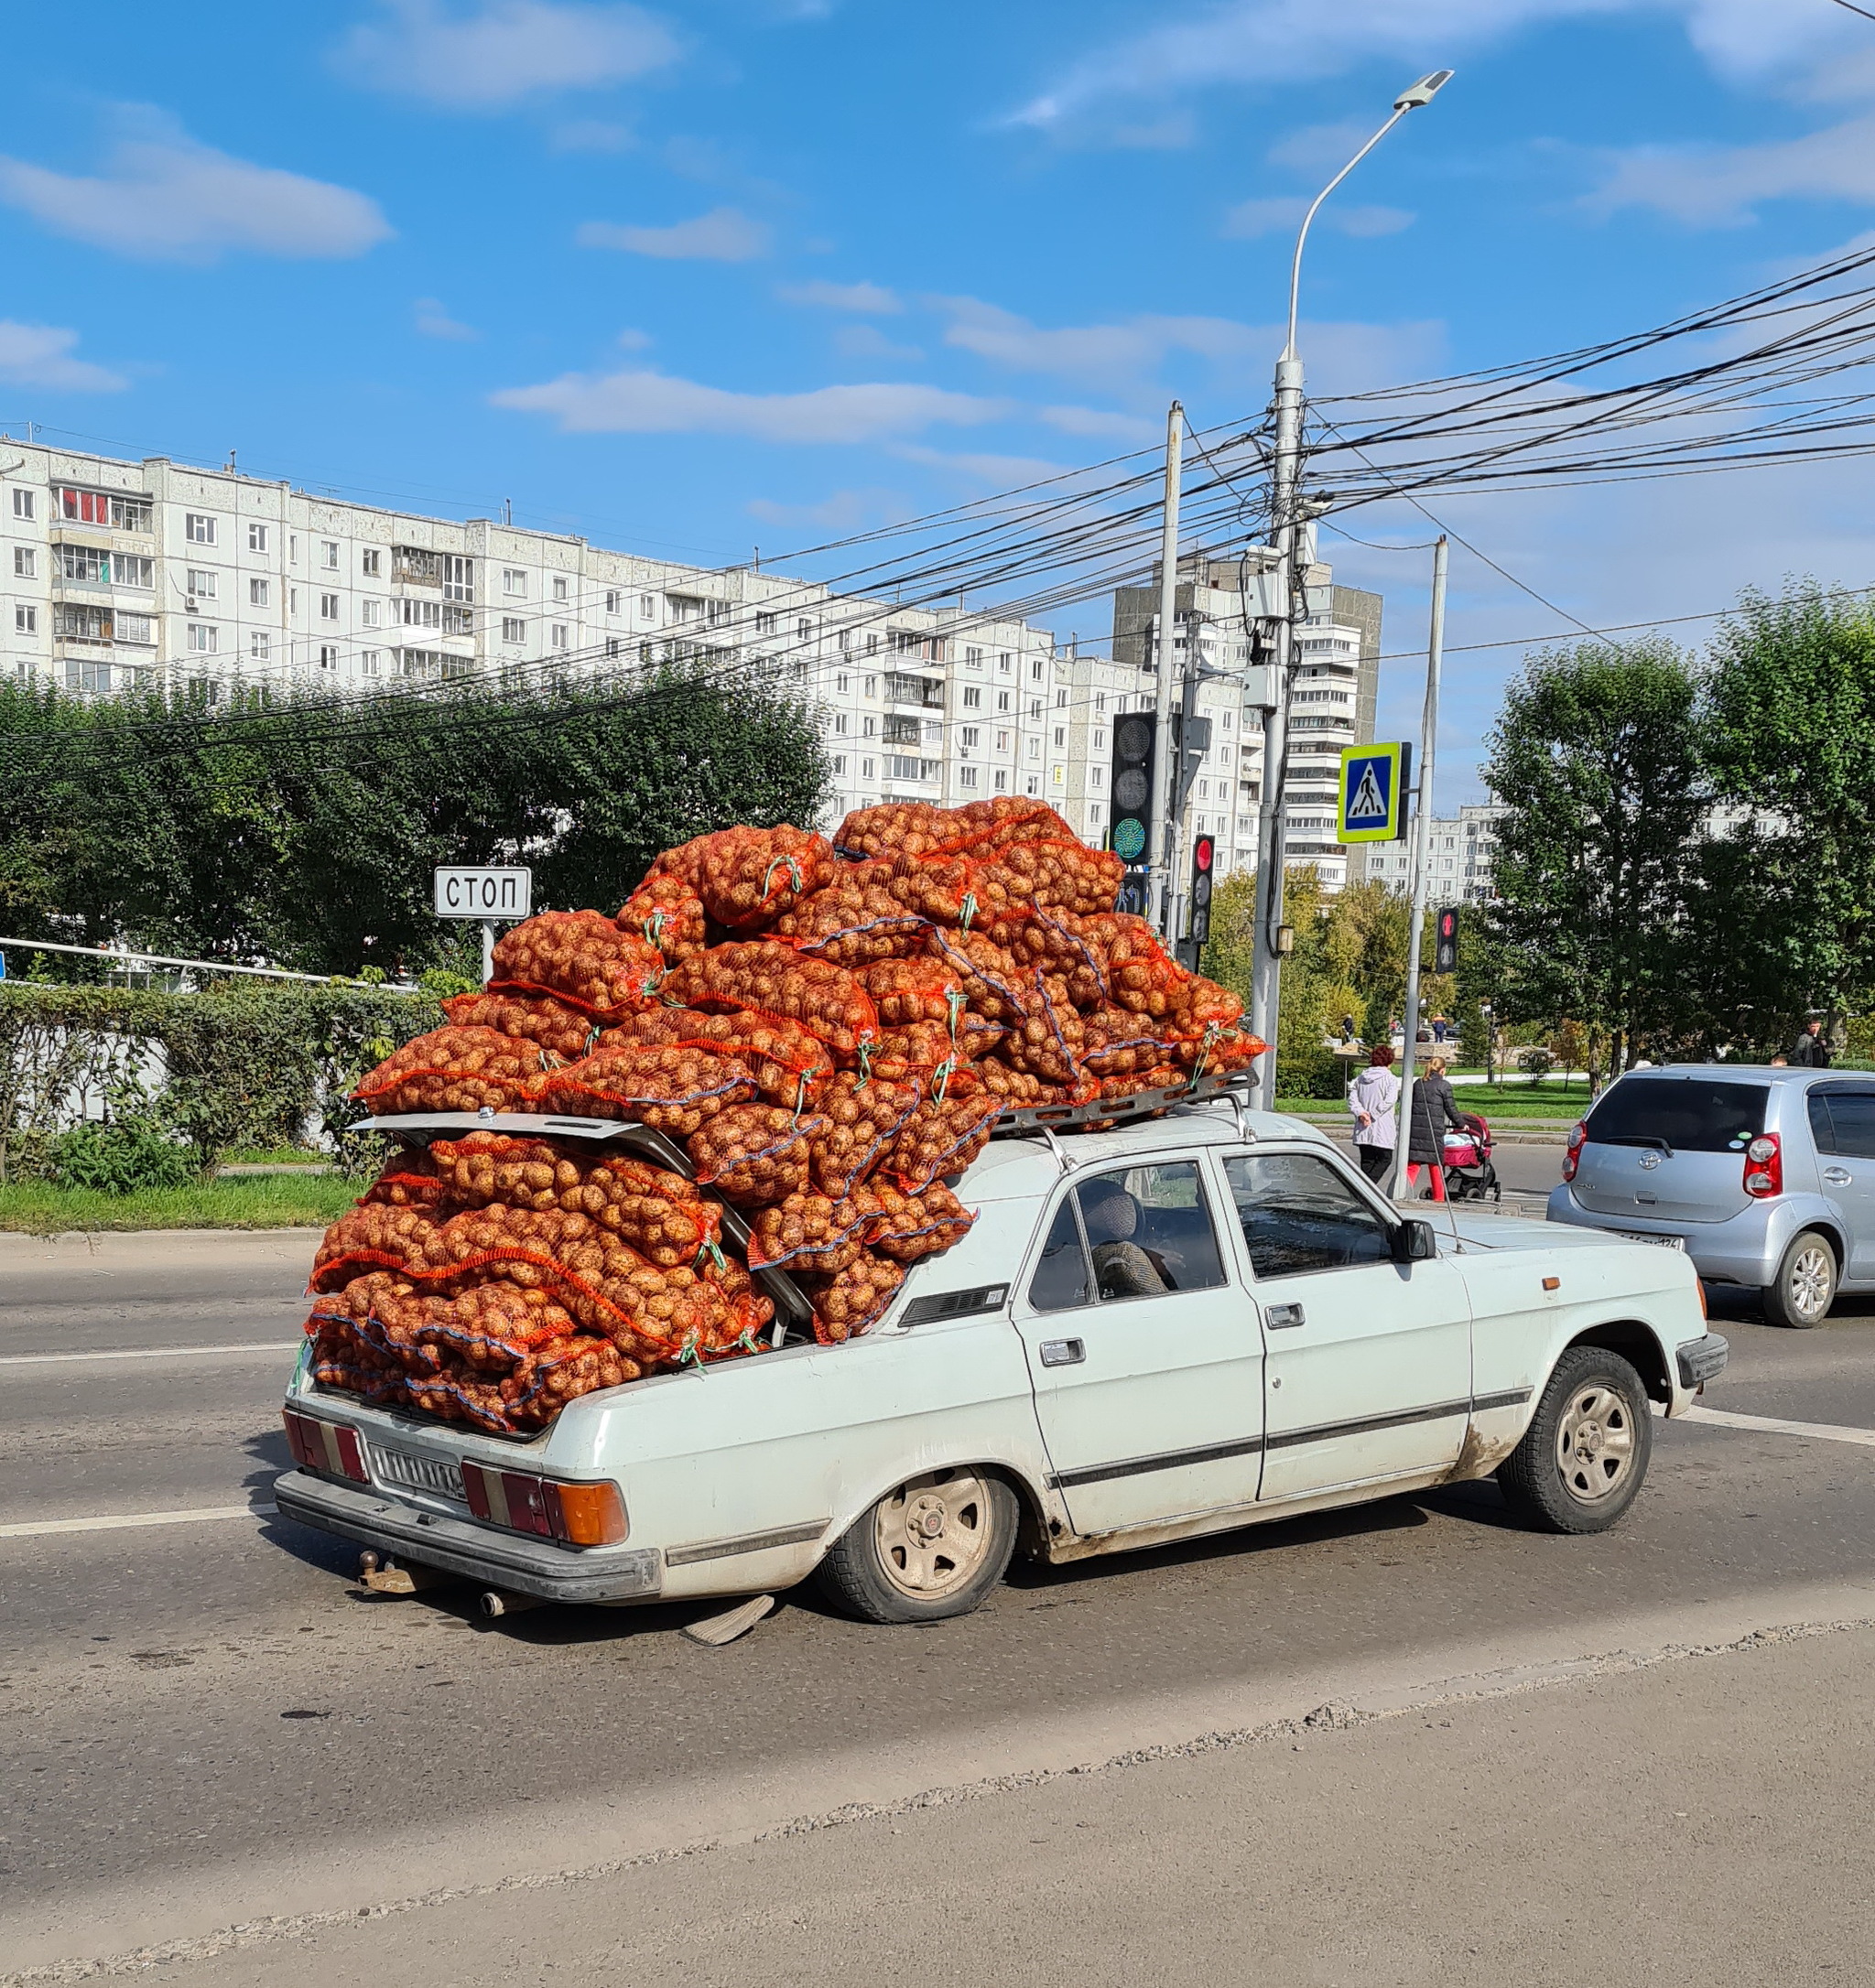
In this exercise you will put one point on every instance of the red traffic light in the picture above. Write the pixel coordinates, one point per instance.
(1202, 849)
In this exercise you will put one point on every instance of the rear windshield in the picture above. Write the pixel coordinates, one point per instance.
(1688, 1114)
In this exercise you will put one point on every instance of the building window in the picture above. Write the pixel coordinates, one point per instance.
(515, 583)
(560, 586)
(765, 624)
(371, 613)
(613, 597)
(1100, 702)
(1061, 701)
(203, 584)
(256, 538)
(970, 735)
(202, 638)
(259, 645)
(1035, 671)
(614, 647)
(292, 548)
(329, 655)
(559, 636)
(839, 724)
(328, 554)
(420, 614)
(973, 698)
(841, 682)
(24, 564)
(870, 726)
(329, 607)
(965, 776)
(871, 687)
(371, 563)
(198, 529)
(865, 769)
(804, 629)
(871, 646)
(1001, 781)
(840, 762)
(371, 661)
(513, 628)
(973, 659)
(259, 592)
(292, 600)
(1002, 700)
(25, 620)
(22, 504)
(647, 607)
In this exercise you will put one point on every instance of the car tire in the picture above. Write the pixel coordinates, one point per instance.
(932, 1549)
(1584, 1457)
(1805, 1288)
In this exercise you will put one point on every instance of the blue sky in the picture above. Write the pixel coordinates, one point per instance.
(694, 278)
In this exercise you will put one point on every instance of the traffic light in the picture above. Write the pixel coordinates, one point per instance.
(1136, 739)
(1444, 940)
(1204, 851)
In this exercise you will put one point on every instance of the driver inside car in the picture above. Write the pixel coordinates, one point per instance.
(1123, 1267)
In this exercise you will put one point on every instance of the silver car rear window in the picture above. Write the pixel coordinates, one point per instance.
(1685, 1114)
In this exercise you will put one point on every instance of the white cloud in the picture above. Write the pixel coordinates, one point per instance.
(632, 339)
(41, 355)
(434, 322)
(1282, 213)
(163, 198)
(725, 234)
(1121, 428)
(1000, 472)
(866, 300)
(598, 134)
(844, 511)
(1268, 43)
(868, 342)
(490, 53)
(1722, 186)
(655, 404)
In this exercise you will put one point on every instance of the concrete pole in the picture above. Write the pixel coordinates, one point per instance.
(1422, 843)
(1164, 782)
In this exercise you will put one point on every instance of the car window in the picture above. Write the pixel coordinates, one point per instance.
(1852, 1121)
(1149, 1231)
(1299, 1214)
(1822, 1132)
(1685, 1114)
(1061, 1278)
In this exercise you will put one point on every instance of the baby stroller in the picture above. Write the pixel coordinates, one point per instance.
(1470, 1174)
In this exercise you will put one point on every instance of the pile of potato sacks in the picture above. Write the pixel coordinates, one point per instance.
(830, 1030)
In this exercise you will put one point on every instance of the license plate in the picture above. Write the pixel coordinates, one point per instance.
(1660, 1242)
(416, 1473)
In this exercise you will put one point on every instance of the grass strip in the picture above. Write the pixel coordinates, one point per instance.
(267, 1201)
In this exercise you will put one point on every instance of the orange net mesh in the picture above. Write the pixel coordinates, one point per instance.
(582, 957)
(851, 1300)
(747, 878)
(759, 977)
(674, 1089)
(754, 1155)
(665, 912)
(862, 1119)
(563, 1031)
(789, 1066)
(942, 1138)
(454, 1069)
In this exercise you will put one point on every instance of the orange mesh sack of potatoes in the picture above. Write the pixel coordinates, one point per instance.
(788, 1065)
(747, 878)
(754, 1155)
(905, 1227)
(809, 1231)
(454, 1069)
(581, 958)
(665, 912)
(854, 920)
(851, 1300)
(563, 1031)
(409, 1180)
(768, 979)
(862, 1118)
(908, 990)
(673, 1089)
(942, 1138)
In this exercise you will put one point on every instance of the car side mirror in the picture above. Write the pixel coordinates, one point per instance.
(1414, 1242)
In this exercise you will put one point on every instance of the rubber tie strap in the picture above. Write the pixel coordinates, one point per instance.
(794, 870)
(968, 909)
(865, 1066)
(955, 1000)
(940, 1079)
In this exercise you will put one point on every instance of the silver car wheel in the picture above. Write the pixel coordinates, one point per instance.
(933, 1533)
(1810, 1282)
(1595, 1443)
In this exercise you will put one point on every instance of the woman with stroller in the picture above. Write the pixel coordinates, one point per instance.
(1373, 1098)
(1433, 1109)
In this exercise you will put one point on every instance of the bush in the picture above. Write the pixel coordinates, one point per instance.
(119, 1159)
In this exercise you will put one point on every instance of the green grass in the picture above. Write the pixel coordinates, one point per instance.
(277, 1156)
(1492, 1102)
(272, 1201)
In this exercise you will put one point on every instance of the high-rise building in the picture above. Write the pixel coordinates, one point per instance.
(1461, 855)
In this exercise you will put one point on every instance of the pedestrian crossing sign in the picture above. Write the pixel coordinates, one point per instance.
(1374, 779)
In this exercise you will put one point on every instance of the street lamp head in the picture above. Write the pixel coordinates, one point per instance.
(1422, 92)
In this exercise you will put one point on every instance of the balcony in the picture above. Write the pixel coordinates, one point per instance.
(920, 693)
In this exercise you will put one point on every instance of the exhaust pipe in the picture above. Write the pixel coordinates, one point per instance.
(494, 1603)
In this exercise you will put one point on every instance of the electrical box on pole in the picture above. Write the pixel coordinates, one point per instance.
(1129, 796)
(1444, 940)
(1194, 736)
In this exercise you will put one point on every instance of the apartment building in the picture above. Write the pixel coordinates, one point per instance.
(1333, 704)
(118, 574)
(1461, 855)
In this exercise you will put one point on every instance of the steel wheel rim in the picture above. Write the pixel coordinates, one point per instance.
(933, 1534)
(1809, 1281)
(1595, 1443)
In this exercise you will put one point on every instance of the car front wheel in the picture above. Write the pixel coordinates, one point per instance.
(932, 1549)
(1584, 1457)
(1805, 1288)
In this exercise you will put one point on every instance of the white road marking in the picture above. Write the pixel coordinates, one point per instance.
(150, 1353)
(35, 1529)
(1775, 1425)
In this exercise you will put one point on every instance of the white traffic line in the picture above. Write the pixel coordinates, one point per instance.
(1775, 1425)
(151, 1352)
(35, 1529)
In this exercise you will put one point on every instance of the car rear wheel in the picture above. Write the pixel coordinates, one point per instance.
(1805, 1288)
(1584, 1457)
(932, 1549)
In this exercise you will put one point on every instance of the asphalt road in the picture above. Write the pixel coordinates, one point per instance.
(204, 1724)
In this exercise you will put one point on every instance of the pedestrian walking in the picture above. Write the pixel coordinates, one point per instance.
(1374, 1099)
(1810, 1052)
(1433, 1109)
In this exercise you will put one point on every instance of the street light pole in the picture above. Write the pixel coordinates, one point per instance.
(1284, 478)
(1166, 651)
(1422, 849)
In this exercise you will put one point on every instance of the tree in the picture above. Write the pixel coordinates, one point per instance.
(1788, 906)
(1596, 758)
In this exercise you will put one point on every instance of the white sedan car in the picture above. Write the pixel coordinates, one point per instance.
(1198, 1323)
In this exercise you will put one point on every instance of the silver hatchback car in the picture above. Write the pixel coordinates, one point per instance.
(1765, 1177)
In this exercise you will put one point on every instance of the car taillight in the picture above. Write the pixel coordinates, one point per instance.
(1764, 1166)
(575, 1514)
(331, 1448)
(1573, 1158)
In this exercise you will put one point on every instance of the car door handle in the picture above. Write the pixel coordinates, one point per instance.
(1279, 1317)
(1837, 1176)
(1063, 1352)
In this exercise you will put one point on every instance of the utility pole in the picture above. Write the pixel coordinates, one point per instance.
(1422, 844)
(1164, 775)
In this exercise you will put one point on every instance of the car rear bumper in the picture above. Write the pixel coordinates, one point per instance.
(1746, 1250)
(496, 1560)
